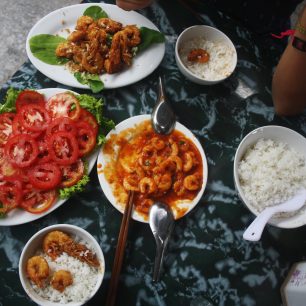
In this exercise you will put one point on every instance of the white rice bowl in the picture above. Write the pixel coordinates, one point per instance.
(219, 65)
(86, 279)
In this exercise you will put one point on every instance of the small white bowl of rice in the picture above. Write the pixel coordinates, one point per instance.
(61, 264)
(270, 168)
(205, 55)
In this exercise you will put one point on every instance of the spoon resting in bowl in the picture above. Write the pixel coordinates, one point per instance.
(255, 229)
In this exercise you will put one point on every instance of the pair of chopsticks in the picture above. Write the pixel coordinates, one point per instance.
(111, 296)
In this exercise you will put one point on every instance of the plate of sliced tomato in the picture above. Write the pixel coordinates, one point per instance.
(46, 144)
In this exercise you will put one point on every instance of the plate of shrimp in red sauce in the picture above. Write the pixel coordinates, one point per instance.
(168, 168)
(69, 23)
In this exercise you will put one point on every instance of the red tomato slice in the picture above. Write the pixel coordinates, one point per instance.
(19, 129)
(45, 176)
(86, 138)
(63, 148)
(10, 193)
(28, 96)
(71, 174)
(43, 150)
(64, 105)
(61, 124)
(34, 117)
(37, 201)
(6, 127)
(88, 117)
(21, 150)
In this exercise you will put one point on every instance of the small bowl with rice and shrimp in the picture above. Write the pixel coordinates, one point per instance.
(61, 264)
(205, 55)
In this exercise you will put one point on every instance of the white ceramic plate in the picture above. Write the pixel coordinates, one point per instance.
(65, 18)
(103, 160)
(20, 216)
(280, 134)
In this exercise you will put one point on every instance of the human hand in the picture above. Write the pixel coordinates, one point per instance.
(133, 4)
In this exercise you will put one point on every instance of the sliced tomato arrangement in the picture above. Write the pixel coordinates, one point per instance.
(41, 146)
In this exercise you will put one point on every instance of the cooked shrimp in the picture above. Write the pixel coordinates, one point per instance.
(64, 50)
(83, 23)
(192, 182)
(165, 182)
(109, 25)
(198, 55)
(130, 182)
(147, 160)
(61, 279)
(37, 270)
(172, 164)
(54, 242)
(157, 143)
(179, 188)
(147, 185)
(113, 63)
(133, 35)
(76, 36)
(174, 147)
(188, 161)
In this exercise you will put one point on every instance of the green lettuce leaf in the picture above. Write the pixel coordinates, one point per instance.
(149, 37)
(92, 80)
(95, 12)
(8, 105)
(65, 193)
(95, 106)
(43, 47)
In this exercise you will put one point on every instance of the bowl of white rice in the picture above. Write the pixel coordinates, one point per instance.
(205, 55)
(85, 279)
(270, 168)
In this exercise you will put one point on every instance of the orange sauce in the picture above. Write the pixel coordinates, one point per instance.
(138, 153)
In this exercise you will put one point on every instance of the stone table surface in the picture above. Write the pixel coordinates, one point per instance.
(207, 257)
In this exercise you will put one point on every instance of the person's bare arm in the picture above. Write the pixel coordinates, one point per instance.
(289, 80)
(133, 4)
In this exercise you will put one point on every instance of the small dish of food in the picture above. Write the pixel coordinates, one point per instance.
(205, 55)
(168, 168)
(61, 264)
(95, 46)
(270, 168)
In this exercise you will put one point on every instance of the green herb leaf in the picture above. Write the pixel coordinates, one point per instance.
(8, 105)
(43, 47)
(92, 80)
(149, 37)
(95, 12)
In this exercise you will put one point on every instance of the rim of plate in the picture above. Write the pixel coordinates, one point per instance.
(131, 122)
(13, 216)
(151, 57)
(37, 238)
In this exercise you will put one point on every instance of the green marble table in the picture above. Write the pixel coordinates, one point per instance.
(207, 256)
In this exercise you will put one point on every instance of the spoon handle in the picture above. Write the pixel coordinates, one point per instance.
(255, 229)
(159, 258)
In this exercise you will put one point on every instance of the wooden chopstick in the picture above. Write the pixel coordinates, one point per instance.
(124, 228)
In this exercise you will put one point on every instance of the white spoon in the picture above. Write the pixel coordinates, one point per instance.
(255, 229)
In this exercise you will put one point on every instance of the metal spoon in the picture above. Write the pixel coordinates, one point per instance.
(161, 221)
(255, 229)
(163, 117)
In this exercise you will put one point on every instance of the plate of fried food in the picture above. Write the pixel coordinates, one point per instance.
(48, 146)
(95, 46)
(167, 168)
